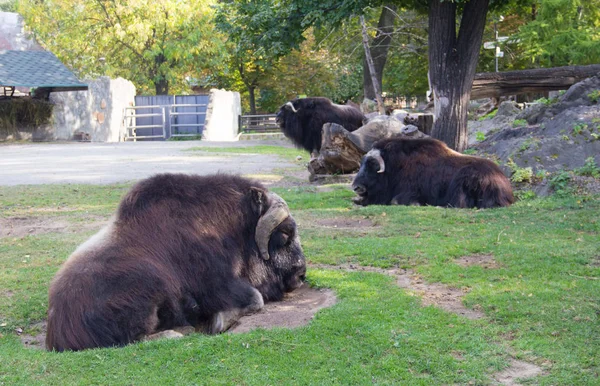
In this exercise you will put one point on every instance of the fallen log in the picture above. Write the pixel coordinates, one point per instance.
(496, 84)
(342, 151)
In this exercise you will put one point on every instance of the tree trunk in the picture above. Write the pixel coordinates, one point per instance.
(379, 49)
(371, 66)
(161, 84)
(452, 62)
(496, 84)
(252, 98)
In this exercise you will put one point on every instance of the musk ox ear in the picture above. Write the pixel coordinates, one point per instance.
(278, 211)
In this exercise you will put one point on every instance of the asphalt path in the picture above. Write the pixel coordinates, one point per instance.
(106, 163)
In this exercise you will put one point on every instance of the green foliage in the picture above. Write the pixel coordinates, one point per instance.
(589, 169)
(489, 115)
(564, 32)
(23, 113)
(523, 195)
(480, 136)
(470, 151)
(519, 123)
(156, 45)
(560, 183)
(594, 96)
(546, 101)
(519, 174)
(8, 5)
(579, 128)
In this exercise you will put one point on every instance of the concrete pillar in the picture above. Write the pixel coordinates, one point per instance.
(222, 116)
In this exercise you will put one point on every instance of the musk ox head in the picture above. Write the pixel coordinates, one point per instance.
(279, 243)
(370, 177)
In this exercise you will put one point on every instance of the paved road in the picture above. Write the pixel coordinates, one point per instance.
(105, 163)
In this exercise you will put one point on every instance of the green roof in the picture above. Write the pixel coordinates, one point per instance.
(36, 69)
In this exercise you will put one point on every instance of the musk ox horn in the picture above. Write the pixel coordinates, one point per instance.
(376, 154)
(274, 216)
(291, 106)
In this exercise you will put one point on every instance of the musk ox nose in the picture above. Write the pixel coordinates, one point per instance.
(359, 189)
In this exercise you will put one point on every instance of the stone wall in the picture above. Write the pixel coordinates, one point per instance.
(95, 114)
(222, 116)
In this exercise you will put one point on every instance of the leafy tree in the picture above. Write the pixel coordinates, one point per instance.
(258, 37)
(455, 33)
(155, 44)
(310, 70)
(564, 32)
(8, 5)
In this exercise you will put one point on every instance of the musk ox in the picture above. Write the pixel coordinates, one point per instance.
(426, 172)
(182, 251)
(302, 120)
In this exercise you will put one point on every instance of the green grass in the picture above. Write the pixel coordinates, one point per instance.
(287, 153)
(545, 295)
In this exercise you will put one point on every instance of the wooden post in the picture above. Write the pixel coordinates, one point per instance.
(369, 59)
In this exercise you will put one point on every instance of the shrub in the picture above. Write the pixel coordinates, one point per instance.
(23, 113)
(589, 169)
(594, 96)
(519, 123)
(480, 136)
(520, 174)
(560, 183)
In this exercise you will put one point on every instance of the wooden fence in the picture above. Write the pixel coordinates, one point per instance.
(262, 123)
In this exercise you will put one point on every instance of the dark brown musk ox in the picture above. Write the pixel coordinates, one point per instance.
(182, 251)
(302, 120)
(427, 172)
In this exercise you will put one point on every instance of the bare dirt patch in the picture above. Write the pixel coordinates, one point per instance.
(297, 309)
(434, 294)
(34, 336)
(26, 226)
(517, 370)
(485, 261)
(345, 223)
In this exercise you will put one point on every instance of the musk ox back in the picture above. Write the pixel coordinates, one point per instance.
(181, 251)
(302, 120)
(427, 172)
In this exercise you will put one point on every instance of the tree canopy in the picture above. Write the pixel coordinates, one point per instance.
(155, 44)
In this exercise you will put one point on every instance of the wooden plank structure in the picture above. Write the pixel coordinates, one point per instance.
(496, 84)
(262, 123)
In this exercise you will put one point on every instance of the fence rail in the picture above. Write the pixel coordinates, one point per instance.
(262, 123)
(131, 126)
(404, 101)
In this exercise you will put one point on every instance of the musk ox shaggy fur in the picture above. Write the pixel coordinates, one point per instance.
(302, 120)
(182, 251)
(427, 172)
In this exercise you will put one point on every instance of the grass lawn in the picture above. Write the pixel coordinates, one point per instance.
(541, 299)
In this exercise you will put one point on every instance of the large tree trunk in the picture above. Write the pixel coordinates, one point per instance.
(379, 49)
(452, 63)
(496, 84)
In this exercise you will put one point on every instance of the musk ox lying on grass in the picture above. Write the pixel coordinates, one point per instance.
(302, 120)
(427, 172)
(182, 251)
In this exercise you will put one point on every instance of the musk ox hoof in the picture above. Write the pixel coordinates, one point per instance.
(169, 334)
